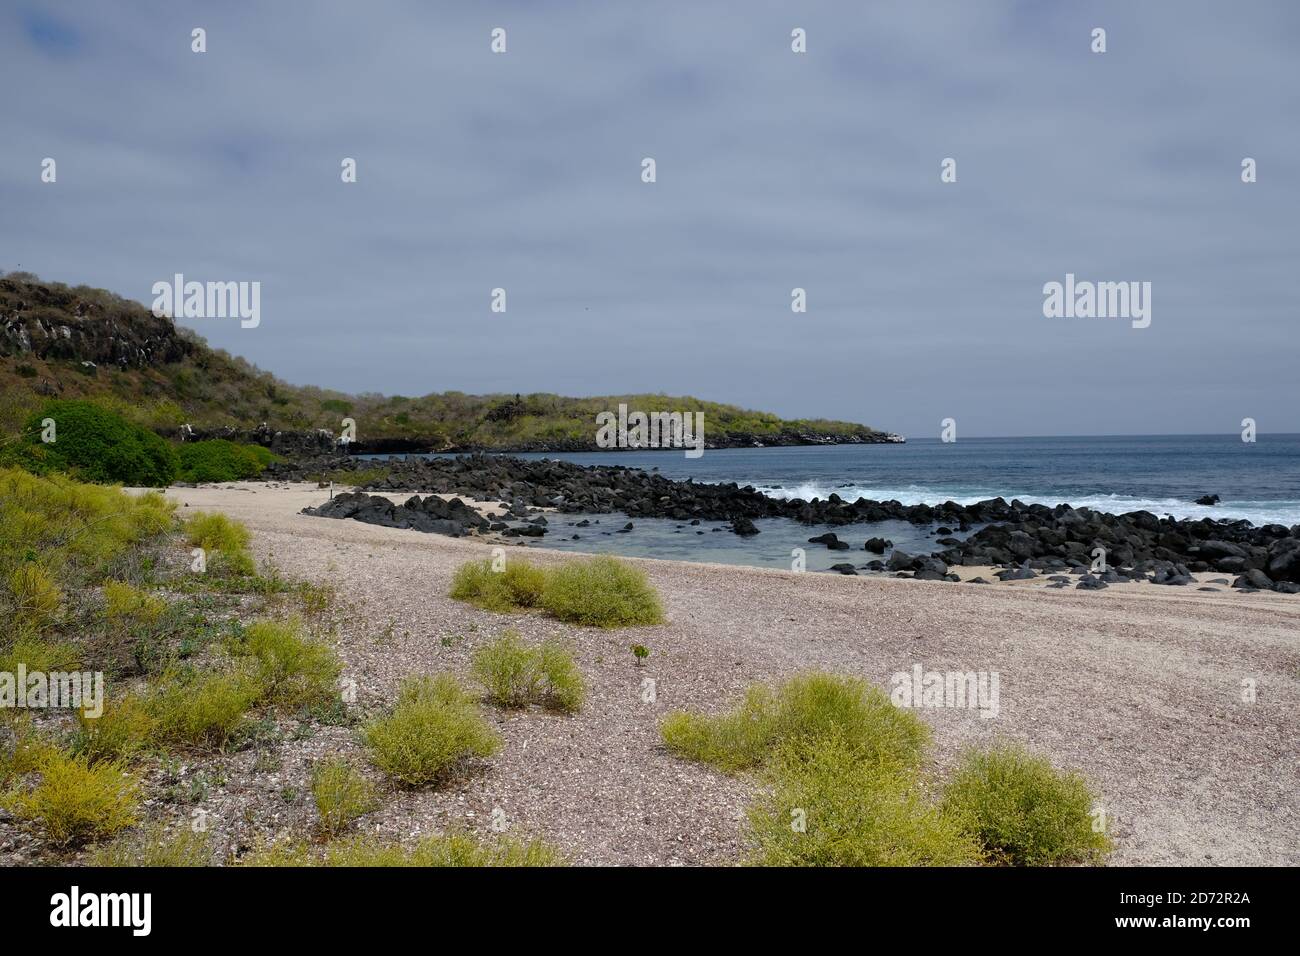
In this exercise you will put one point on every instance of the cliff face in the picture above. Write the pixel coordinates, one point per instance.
(54, 322)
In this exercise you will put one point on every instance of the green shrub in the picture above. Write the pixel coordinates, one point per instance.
(94, 444)
(213, 531)
(434, 728)
(516, 675)
(603, 592)
(225, 540)
(35, 654)
(1022, 810)
(76, 801)
(202, 710)
(36, 596)
(22, 748)
(220, 460)
(125, 729)
(155, 846)
(518, 584)
(75, 529)
(341, 794)
(294, 671)
(434, 851)
(126, 604)
(829, 807)
(799, 714)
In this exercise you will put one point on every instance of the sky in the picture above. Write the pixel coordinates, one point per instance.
(775, 170)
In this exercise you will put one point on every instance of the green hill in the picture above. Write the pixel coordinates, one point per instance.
(62, 342)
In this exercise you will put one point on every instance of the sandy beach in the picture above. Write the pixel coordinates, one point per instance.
(1139, 687)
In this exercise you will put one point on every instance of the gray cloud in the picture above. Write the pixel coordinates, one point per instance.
(775, 171)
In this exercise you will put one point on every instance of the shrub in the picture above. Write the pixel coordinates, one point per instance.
(341, 795)
(1022, 810)
(38, 655)
(75, 529)
(124, 603)
(433, 851)
(829, 807)
(516, 675)
(220, 460)
(518, 584)
(123, 730)
(434, 728)
(294, 671)
(35, 594)
(213, 531)
(603, 592)
(155, 847)
(22, 749)
(798, 715)
(203, 711)
(96, 445)
(76, 801)
(224, 539)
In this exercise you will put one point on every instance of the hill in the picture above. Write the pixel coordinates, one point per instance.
(58, 341)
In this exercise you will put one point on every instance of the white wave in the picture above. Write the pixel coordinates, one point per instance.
(1258, 512)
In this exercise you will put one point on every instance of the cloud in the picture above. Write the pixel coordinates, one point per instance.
(776, 170)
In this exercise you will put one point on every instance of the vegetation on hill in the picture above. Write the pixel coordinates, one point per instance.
(57, 341)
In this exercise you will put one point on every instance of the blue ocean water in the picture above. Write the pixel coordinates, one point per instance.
(1257, 481)
(1163, 474)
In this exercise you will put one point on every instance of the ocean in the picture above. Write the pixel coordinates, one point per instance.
(1163, 474)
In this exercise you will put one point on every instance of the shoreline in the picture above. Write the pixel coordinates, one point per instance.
(1141, 692)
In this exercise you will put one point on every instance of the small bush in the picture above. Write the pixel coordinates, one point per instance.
(38, 655)
(22, 749)
(294, 671)
(226, 542)
(76, 801)
(518, 585)
(516, 675)
(203, 711)
(434, 728)
(36, 596)
(341, 795)
(124, 730)
(213, 531)
(799, 714)
(94, 444)
(828, 806)
(434, 851)
(603, 592)
(220, 460)
(1022, 810)
(126, 604)
(75, 529)
(156, 846)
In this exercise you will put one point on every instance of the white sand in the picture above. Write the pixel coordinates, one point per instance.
(1140, 687)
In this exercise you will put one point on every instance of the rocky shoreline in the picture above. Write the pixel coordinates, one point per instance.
(1024, 540)
(323, 444)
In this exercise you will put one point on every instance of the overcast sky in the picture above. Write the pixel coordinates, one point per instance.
(775, 170)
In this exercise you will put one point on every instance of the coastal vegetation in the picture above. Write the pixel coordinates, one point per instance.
(841, 784)
(341, 795)
(84, 343)
(597, 592)
(435, 730)
(448, 850)
(515, 674)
